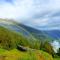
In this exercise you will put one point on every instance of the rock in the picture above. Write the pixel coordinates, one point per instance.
(21, 48)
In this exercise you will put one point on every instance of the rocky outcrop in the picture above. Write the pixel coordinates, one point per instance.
(21, 48)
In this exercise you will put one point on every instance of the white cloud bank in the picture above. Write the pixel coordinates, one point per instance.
(36, 13)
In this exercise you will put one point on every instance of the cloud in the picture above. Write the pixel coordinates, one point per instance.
(36, 22)
(41, 14)
(56, 45)
(20, 9)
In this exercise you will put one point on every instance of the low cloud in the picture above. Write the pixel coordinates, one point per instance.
(56, 45)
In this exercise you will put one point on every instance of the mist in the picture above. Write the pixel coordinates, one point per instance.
(56, 45)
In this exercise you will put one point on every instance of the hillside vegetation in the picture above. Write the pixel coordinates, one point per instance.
(19, 55)
(9, 40)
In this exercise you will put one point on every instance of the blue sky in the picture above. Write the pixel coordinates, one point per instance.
(40, 14)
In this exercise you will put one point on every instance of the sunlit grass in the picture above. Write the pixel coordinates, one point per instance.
(19, 55)
(56, 58)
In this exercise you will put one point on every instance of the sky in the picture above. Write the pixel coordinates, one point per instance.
(40, 14)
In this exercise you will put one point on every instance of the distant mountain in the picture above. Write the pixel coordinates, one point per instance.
(41, 34)
(55, 34)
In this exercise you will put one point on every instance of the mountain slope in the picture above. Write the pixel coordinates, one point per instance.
(13, 26)
(9, 41)
(55, 34)
(13, 33)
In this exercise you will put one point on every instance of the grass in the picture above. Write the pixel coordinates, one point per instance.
(56, 58)
(19, 55)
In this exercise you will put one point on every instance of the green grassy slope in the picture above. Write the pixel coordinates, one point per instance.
(19, 55)
(9, 41)
(56, 58)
